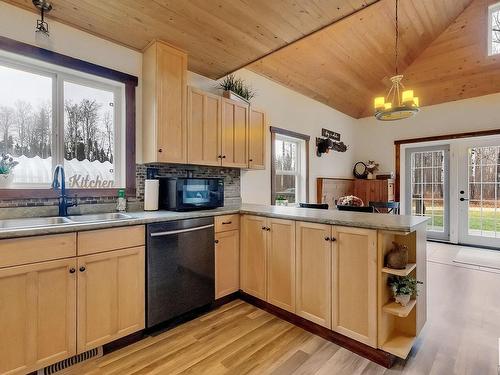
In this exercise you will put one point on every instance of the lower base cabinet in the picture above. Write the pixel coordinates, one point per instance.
(37, 315)
(227, 263)
(354, 283)
(110, 296)
(313, 272)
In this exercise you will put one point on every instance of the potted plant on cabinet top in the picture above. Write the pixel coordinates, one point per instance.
(7, 164)
(236, 88)
(281, 201)
(403, 288)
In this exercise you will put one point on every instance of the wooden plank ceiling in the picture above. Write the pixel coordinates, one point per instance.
(343, 64)
(346, 64)
(220, 36)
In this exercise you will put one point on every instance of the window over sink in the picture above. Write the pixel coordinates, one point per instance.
(52, 115)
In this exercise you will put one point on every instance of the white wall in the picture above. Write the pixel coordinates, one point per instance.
(290, 110)
(375, 139)
(19, 24)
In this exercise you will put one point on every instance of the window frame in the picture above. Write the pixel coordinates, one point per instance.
(302, 166)
(72, 67)
(491, 9)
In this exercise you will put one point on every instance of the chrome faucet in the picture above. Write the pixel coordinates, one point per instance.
(64, 202)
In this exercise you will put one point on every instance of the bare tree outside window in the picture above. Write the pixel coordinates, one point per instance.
(495, 32)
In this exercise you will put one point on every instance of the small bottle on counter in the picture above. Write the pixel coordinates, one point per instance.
(121, 203)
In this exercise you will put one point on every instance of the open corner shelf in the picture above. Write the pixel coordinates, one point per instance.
(403, 272)
(399, 344)
(398, 310)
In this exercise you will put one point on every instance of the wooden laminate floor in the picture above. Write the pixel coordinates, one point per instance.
(460, 337)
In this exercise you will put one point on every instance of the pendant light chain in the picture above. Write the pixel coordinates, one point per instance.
(397, 37)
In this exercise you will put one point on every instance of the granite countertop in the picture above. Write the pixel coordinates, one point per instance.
(354, 219)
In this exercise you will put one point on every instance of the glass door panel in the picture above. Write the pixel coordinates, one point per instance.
(479, 194)
(427, 175)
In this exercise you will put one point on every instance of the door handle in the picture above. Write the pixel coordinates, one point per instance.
(464, 199)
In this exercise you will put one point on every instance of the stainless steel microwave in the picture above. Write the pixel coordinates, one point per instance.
(187, 193)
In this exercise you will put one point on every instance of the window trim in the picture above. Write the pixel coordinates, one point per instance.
(130, 82)
(491, 9)
(291, 134)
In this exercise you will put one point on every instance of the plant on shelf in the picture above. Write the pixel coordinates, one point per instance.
(234, 85)
(7, 164)
(403, 288)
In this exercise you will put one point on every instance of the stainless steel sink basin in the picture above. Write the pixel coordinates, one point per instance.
(99, 217)
(32, 222)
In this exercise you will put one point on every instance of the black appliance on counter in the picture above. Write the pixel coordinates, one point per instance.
(188, 193)
(180, 268)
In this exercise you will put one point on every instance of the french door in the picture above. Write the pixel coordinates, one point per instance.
(427, 188)
(479, 193)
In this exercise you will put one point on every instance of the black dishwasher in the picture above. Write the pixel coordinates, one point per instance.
(180, 268)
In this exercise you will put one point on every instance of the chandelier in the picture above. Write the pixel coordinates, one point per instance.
(399, 103)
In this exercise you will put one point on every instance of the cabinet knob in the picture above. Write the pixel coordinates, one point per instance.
(250, 159)
(264, 228)
(160, 150)
(216, 241)
(72, 270)
(333, 239)
(268, 229)
(223, 156)
(327, 238)
(82, 269)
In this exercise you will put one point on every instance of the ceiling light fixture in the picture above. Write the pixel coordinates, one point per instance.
(399, 103)
(44, 6)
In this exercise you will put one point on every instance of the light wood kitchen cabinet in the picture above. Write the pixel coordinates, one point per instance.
(253, 256)
(314, 258)
(374, 190)
(256, 139)
(354, 283)
(227, 263)
(234, 134)
(38, 315)
(204, 128)
(110, 296)
(164, 127)
(281, 263)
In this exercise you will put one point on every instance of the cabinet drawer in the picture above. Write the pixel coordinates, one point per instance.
(227, 222)
(18, 251)
(101, 240)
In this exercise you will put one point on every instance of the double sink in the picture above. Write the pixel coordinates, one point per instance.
(37, 222)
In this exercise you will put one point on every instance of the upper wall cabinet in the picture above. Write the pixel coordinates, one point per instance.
(224, 132)
(164, 77)
(257, 139)
(204, 128)
(234, 134)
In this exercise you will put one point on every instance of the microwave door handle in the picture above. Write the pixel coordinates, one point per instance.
(172, 232)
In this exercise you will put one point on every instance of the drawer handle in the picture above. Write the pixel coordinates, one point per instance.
(226, 222)
(82, 269)
(72, 270)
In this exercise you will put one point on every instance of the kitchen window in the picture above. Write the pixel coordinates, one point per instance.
(289, 166)
(51, 115)
(494, 29)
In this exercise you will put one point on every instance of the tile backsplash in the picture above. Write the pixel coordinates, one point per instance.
(232, 192)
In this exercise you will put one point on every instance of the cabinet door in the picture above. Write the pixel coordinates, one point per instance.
(110, 296)
(227, 263)
(37, 315)
(256, 139)
(253, 256)
(234, 134)
(204, 128)
(314, 272)
(281, 264)
(171, 95)
(354, 283)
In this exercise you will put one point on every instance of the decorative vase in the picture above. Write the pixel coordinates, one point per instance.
(6, 180)
(397, 258)
(281, 202)
(233, 96)
(403, 299)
